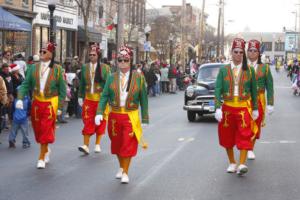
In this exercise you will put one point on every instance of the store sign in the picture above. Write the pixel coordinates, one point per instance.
(63, 19)
(291, 41)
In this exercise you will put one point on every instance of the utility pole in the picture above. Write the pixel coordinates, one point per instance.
(201, 37)
(183, 21)
(120, 26)
(219, 27)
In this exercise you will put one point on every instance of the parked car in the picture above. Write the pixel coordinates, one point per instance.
(199, 97)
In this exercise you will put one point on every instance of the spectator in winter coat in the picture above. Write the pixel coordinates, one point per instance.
(164, 78)
(172, 77)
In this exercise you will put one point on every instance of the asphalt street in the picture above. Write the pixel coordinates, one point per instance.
(184, 160)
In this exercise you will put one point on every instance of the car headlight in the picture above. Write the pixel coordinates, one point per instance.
(190, 92)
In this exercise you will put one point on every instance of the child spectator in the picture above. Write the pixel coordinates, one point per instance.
(20, 122)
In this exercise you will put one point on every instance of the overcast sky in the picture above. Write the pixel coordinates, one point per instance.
(258, 15)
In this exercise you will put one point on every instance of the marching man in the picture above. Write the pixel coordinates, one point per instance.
(236, 85)
(125, 90)
(92, 81)
(46, 80)
(264, 81)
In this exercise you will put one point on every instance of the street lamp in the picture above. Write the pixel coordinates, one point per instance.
(147, 33)
(51, 7)
(171, 37)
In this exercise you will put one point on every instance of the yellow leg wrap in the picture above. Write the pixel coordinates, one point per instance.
(98, 139)
(230, 155)
(44, 150)
(86, 140)
(243, 156)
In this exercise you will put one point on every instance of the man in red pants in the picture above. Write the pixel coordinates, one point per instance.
(264, 84)
(92, 81)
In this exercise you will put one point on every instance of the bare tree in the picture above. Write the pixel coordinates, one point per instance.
(84, 7)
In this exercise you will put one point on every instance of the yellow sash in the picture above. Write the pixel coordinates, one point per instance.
(52, 100)
(262, 99)
(93, 97)
(135, 121)
(236, 103)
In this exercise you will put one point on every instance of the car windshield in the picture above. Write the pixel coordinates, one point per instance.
(207, 74)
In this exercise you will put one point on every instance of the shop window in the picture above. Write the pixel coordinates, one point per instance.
(9, 2)
(279, 46)
(25, 3)
(268, 46)
(37, 44)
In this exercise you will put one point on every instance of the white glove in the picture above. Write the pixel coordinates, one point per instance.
(219, 115)
(19, 104)
(270, 109)
(80, 102)
(255, 114)
(144, 125)
(98, 119)
(59, 112)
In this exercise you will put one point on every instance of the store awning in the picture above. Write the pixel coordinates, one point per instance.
(11, 22)
(94, 35)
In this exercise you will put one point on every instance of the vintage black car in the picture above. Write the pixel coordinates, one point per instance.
(199, 97)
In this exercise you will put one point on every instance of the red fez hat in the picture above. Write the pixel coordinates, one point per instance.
(238, 43)
(254, 44)
(50, 47)
(95, 47)
(125, 52)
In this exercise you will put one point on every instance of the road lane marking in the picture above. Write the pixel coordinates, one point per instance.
(180, 139)
(279, 142)
(154, 170)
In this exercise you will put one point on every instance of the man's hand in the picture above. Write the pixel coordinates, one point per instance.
(255, 114)
(270, 109)
(219, 115)
(19, 104)
(59, 112)
(80, 102)
(98, 119)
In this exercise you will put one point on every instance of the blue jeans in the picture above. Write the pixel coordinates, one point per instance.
(14, 131)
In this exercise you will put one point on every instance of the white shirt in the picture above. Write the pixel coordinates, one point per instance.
(123, 92)
(253, 64)
(44, 72)
(236, 86)
(92, 78)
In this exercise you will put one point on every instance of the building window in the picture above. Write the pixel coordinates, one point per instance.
(279, 46)
(9, 1)
(268, 46)
(25, 2)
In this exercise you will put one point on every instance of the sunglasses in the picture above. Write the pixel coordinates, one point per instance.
(238, 52)
(252, 50)
(123, 60)
(43, 52)
(92, 54)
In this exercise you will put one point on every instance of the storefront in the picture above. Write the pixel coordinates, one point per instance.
(66, 30)
(15, 33)
(94, 37)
